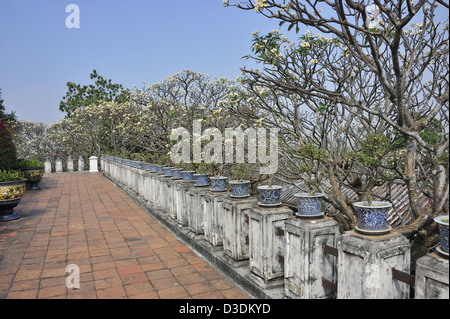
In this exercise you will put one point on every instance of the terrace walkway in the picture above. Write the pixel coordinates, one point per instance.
(121, 251)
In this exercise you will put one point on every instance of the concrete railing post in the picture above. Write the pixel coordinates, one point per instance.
(70, 164)
(196, 213)
(266, 242)
(58, 165)
(235, 227)
(212, 205)
(432, 277)
(305, 263)
(365, 266)
(93, 164)
(184, 202)
(47, 166)
(80, 163)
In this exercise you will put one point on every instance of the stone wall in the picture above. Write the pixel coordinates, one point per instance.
(274, 254)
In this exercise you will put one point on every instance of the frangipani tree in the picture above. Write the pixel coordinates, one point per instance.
(383, 66)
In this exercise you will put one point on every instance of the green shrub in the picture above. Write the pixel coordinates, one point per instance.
(9, 175)
(8, 152)
(29, 163)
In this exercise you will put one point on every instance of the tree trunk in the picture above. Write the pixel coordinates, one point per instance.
(410, 176)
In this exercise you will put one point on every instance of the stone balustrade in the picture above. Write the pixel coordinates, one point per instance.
(275, 254)
(69, 167)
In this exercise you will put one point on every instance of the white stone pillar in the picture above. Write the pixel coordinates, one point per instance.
(93, 164)
(213, 217)
(58, 165)
(432, 277)
(235, 227)
(173, 198)
(305, 263)
(80, 163)
(196, 213)
(184, 202)
(47, 166)
(266, 241)
(70, 164)
(365, 266)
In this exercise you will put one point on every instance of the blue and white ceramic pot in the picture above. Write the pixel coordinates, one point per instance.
(442, 221)
(161, 169)
(188, 176)
(309, 205)
(372, 218)
(201, 179)
(239, 188)
(153, 168)
(269, 196)
(177, 173)
(168, 171)
(218, 183)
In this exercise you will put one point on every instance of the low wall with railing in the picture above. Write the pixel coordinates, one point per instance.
(275, 254)
(60, 166)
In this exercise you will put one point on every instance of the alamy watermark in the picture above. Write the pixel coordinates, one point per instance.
(73, 19)
(73, 278)
(211, 146)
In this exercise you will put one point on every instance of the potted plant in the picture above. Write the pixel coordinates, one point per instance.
(32, 170)
(201, 178)
(152, 167)
(188, 176)
(188, 172)
(168, 171)
(309, 204)
(177, 173)
(12, 188)
(269, 194)
(162, 164)
(240, 183)
(218, 181)
(442, 221)
(368, 159)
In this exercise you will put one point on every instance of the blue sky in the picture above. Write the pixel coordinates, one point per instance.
(130, 42)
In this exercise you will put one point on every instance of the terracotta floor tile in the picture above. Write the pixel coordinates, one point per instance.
(162, 283)
(25, 285)
(134, 278)
(140, 288)
(52, 282)
(107, 282)
(115, 292)
(173, 293)
(127, 270)
(158, 274)
(121, 250)
(187, 279)
(153, 266)
(50, 292)
(199, 288)
(25, 294)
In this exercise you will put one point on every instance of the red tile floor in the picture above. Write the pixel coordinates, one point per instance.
(120, 250)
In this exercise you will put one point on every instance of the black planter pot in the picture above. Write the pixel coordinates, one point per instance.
(10, 195)
(33, 176)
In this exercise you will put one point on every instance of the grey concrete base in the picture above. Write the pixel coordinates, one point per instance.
(266, 241)
(305, 263)
(432, 277)
(365, 266)
(195, 210)
(235, 226)
(213, 216)
(183, 209)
